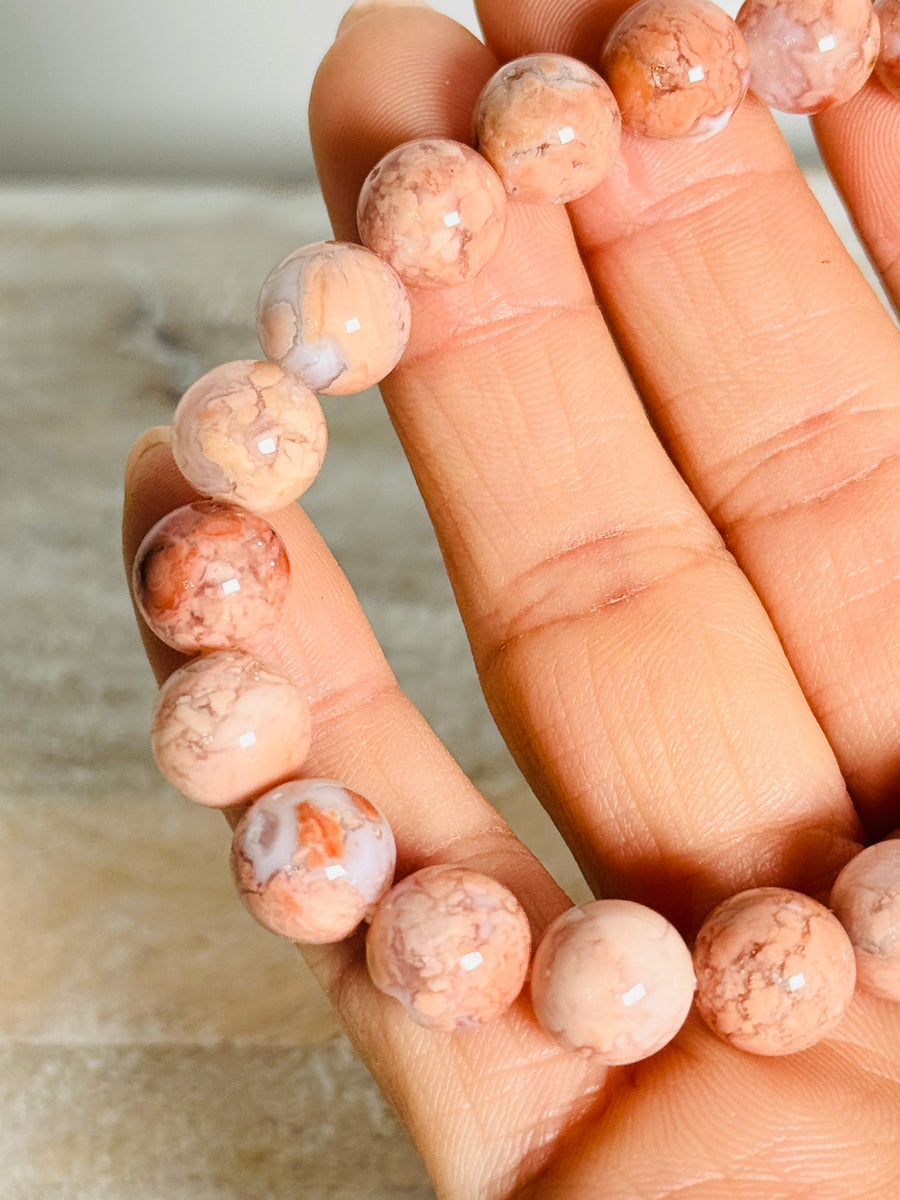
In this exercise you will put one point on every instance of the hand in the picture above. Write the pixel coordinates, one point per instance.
(684, 618)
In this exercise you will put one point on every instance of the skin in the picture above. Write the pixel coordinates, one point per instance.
(697, 670)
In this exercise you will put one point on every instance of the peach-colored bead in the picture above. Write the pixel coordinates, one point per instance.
(887, 65)
(336, 315)
(311, 858)
(775, 971)
(209, 576)
(248, 433)
(549, 126)
(451, 945)
(612, 979)
(227, 727)
(678, 68)
(866, 900)
(806, 55)
(435, 210)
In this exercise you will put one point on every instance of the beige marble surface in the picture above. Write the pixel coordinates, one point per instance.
(153, 1041)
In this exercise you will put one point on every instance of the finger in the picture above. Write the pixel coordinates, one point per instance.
(629, 665)
(463, 1098)
(770, 370)
(860, 143)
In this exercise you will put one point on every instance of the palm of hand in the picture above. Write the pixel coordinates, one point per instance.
(629, 660)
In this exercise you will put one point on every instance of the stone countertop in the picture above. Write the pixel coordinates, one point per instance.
(154, 1041)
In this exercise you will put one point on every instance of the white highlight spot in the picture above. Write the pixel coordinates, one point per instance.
(695, 74)
(638, 992)
(452, 218)
(826, 43)
(566, 135)
(231, 585)
(335, 871)
(470, 961)
(267, 445)
(246, 740)
(797, 981)
(353, 325)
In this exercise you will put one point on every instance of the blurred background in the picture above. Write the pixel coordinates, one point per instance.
(154, 1042)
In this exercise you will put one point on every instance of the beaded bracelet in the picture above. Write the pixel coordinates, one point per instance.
(772, 970)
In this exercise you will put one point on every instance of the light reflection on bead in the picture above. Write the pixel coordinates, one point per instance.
(613, 980)
(452, 945)
(549, 126)
(806, 55)
(336, 315)
(678, 68)
(311, 858)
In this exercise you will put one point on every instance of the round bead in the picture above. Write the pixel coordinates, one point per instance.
(678, 68)
(210, 577)
(248, 433)
(806, 55)
(451, 945)
(336, 315)
(311, 858)
(227, 727)
(775, 971)
(435, 210)
(613, 980)
(866, 900)
(549, 126)
(887, 65)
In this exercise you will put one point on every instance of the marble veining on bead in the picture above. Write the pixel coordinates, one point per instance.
(549, 126)
(612, 979)
(227, 726)
(806, 55)
(678, 68)
(336, 315)
(435, 210)
(210, 576)
(311, 858)
(775, 971)
(452, 945)
(248, 433)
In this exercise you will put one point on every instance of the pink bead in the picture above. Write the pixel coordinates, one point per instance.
(866, 900)
(336, 315)
(227, 727)
(887, 66)
(435, 210)
(612, 979)
(806, 55)
(549, 126)
(210, 577)
(678, 68)
(451, 945)
(775, 971)
(248, 433)
(311, 858)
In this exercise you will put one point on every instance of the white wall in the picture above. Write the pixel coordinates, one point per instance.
(208, 88)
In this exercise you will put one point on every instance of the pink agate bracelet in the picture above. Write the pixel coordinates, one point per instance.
(772, 970)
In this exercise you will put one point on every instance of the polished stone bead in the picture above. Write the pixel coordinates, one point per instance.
(452, 945)
(678, 68)
(435, 210)
(549, 126)
(336, 315)
(311, 858)
(775, 971)
(612, 980)
(806, 55)
(228, 726)
(866, 900)
(887, 65)
(248, 433)
(209, 576)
